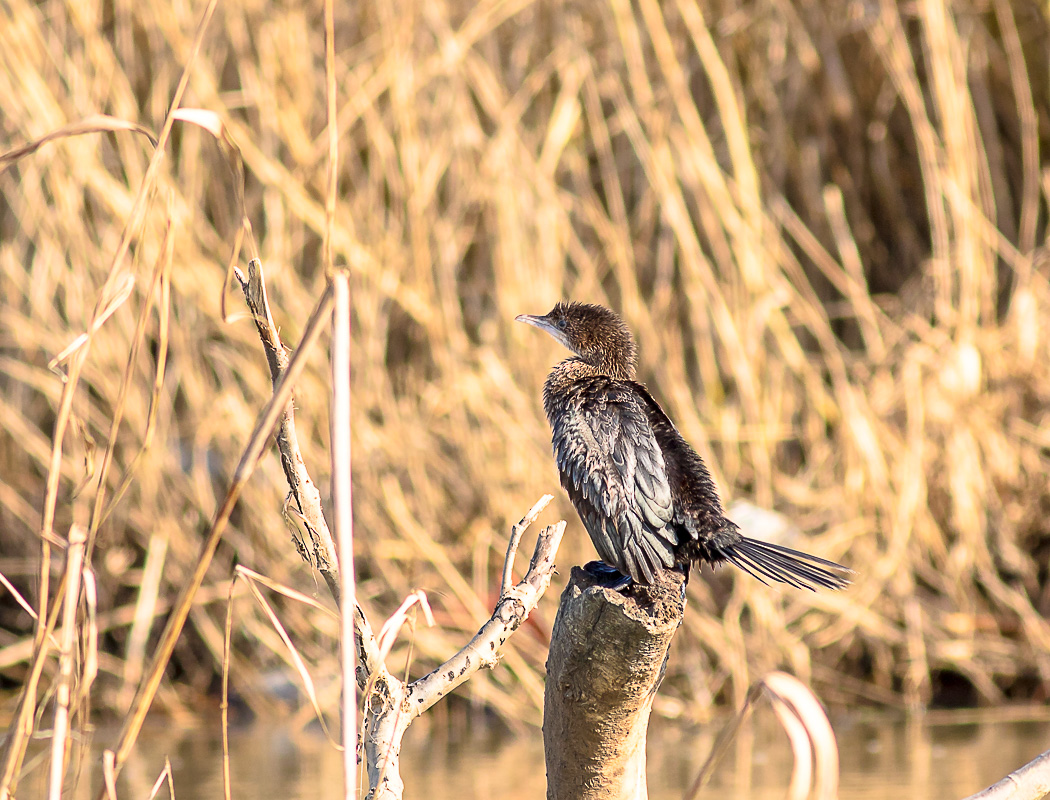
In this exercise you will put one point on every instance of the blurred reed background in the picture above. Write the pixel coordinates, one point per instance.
(825, 222)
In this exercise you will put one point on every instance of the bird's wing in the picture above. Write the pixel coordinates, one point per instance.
(613, 470)
(698, 508)
(706, 534)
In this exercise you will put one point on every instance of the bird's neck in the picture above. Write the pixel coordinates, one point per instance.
(575, 368)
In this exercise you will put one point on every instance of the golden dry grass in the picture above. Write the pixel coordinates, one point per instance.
(826, 230)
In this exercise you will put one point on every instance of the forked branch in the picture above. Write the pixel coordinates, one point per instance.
(390, 705)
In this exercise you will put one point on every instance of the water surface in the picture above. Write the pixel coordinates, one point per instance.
(940, 757)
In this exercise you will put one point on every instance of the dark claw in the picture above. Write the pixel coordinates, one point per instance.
(608, 577)
(685, 584)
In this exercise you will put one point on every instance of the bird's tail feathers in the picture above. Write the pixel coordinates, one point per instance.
(767, 561)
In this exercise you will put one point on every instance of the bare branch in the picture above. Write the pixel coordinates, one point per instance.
(1030, 782)
(304, 491)
(268, 417)
(515, 538)
(369, 661)
(390, 706)
(808, 729)
(483, 650)
(307, 497)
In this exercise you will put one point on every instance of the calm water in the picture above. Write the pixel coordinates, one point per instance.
(941, 757)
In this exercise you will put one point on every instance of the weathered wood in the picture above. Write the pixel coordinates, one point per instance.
(607, 657)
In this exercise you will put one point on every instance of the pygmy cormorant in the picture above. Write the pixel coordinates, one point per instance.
(644, 495)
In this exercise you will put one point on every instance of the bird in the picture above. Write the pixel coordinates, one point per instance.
(644, 495)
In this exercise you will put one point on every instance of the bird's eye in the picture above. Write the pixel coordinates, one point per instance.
(562, 323)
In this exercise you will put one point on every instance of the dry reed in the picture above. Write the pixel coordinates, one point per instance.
(825, 226)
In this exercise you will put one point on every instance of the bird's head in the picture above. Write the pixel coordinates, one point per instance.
(594, 333)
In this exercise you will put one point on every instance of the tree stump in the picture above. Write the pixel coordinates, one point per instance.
(607, 657)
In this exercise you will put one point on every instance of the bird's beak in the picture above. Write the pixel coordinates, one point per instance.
(544, 324)
(536, 322)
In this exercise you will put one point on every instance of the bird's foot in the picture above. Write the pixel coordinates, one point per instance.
(608, 577)
(683, 568)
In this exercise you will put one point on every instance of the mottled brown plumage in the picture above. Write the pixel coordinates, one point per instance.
(644, 495)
